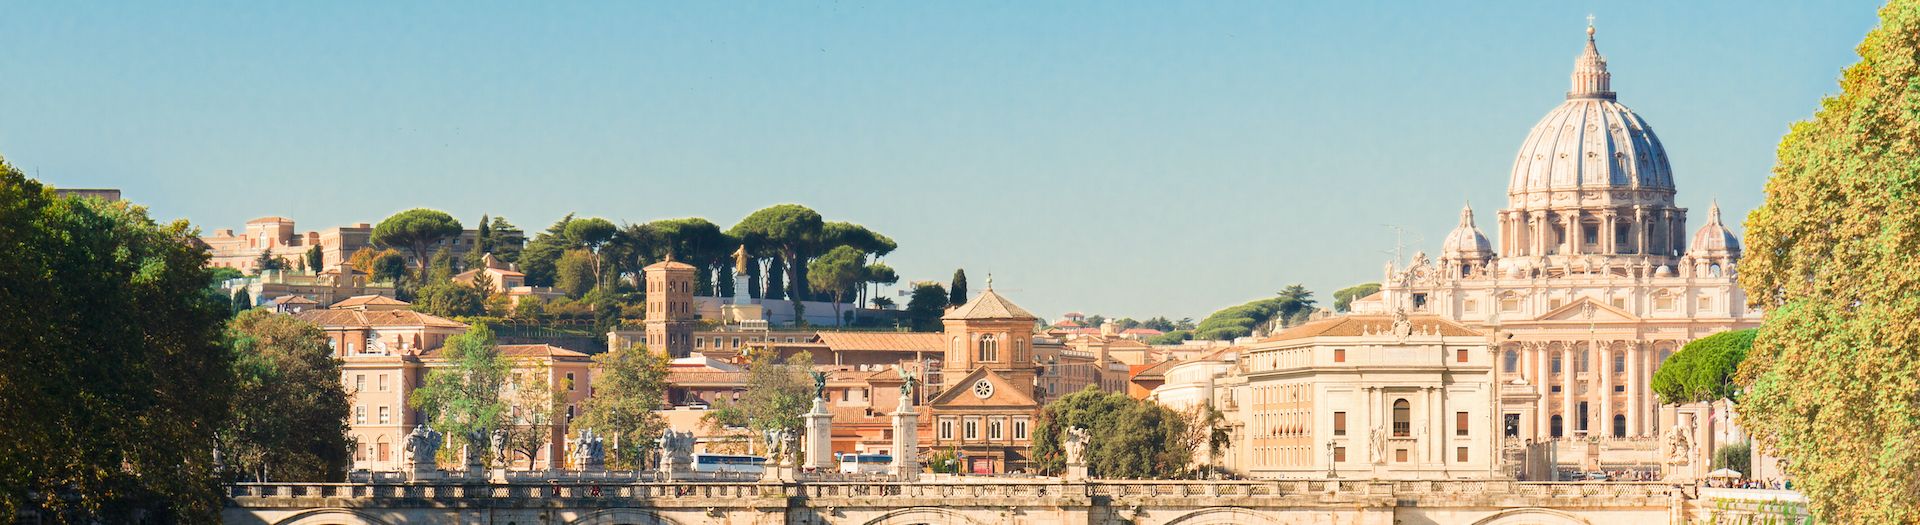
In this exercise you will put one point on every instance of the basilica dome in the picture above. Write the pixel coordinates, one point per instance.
(1590, 142)
(1714, 240)
(1466, 242)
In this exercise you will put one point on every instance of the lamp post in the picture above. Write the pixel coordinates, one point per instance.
(1330, 460)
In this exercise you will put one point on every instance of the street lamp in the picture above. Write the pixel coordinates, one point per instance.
(1330, 462)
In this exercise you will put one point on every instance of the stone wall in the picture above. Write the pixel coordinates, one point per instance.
(1015, 501)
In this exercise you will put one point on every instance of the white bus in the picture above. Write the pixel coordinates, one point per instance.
(729, 463)
(865, 463)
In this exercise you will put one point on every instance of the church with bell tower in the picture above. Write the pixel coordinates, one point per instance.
(986, 409)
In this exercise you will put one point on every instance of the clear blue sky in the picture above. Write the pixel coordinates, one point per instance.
(1131, 159)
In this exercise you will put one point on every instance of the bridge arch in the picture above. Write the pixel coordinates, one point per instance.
(330, 517)
(1224, 516)
(1532, 516)
(623, 516)
(923, 516)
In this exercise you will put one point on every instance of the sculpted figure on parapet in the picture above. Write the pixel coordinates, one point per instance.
(1075, 445)
(421, 445)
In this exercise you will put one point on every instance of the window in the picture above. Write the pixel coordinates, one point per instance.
(1663, 302)
(1621, 233)
(989, 348)
(1020, 428)
(1400, 455)
(1619, 389)
(570, 386)
(1339, 423)
(1509, 304)
(1556, 362)
(569, 413)
(359, 382)
(1339, 355)
(699, 342)
(1419, 301)
(1459, 423)
(1557, 427)
(946, 429)
(1620, 363)
(383, 382)
(1460, 355)
(972, 428)
(1512, 425)
(993, 429)
(1339, 454)
(384, 418)
(1582, 407)
(1619, 425)
(1511, 362)
(1402, 418)
(1583, 361)
(360, 454)
(1620, 302)
(736, 342)
(360, 415)
(1556, 389)
(1460, 454)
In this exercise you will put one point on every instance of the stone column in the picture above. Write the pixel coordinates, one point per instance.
(1574, 242)
(906, 441)
(1606, 389)
(1541, 378)
(1440, 441)
(1634, 410)
(819, 437)
(1567, 391)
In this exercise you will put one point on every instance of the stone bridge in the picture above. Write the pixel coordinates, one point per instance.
(985, 501)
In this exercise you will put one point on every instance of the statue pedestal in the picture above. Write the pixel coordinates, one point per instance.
(906, 442)
(497, 476)
(1075, 473)
(819, 437)
(422, 472)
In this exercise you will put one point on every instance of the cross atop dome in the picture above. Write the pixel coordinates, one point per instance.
(1590, 76)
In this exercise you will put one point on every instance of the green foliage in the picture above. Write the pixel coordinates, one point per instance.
(267, 261)
(837, 272)
(776, 279)
(574, 274)
(1293, 304)
(1830, 383)
(957, 292)
(591, 232)
(926, 305)
(542, 254)
(316, 259)
(836, 234)
(627, 390)
(465, 395)
(1171, 338)
(943, 462)
(1738, 456)
(504, 240)
(242, 301)
(788, 230)
(1127, 437)
(415, 230)
(113, 374)
(1704, 369)
(388, 266)
(535, 408)
(289, 408)
(449, 299)
(1159, 323)
(1343, 298)
(441, 269)
(530, 308)
(778, 391)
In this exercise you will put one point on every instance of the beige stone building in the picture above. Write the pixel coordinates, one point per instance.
(240, 250)
(1592, 281)
(1382, 397)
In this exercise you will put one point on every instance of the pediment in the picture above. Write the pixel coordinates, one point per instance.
(961, 393)
(1579, 309)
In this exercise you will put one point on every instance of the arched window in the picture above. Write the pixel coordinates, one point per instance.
(1402, 418)
(1619, 425)
(953, 347)
(1512, 362)
(989, 348)
(1557, 430)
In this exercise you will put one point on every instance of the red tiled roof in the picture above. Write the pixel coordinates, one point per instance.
(369, 300)
(895, 341)
(1353, 325)
(357, 318)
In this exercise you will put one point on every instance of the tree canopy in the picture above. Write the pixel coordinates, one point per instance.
(1344, 297)
(778, 392)
(926, 305)
(1704, 369)
(1831, 256)
(113, 375)
(1127, 437)
(788, 230)
(837, 272)
(957, 293)
(1292, 305)
(290, 409)
(465, 396)
(416, 230)
(628, 389)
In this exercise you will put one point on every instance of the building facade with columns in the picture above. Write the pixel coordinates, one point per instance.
(1593, 279)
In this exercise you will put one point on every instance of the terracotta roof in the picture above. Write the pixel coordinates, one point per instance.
(893, 341)
(357, 318)
(369, 300)
(1142, 331)
(1067, 323)
(669, 264)
(1375, 296)
(540, 350)
(989, 305)
(1355, 325)
(705, 377)
(292, 299)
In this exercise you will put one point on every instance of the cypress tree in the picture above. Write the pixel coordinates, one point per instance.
(957, 293)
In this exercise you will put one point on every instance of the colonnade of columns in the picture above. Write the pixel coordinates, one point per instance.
(1653, 230)
(1534, 363)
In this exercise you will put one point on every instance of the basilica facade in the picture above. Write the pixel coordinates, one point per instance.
(1593, 278)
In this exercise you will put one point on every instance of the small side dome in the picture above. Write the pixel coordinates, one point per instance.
(1714, 241)
(1466, 242)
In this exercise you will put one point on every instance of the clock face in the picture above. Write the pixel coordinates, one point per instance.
(983, 389)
